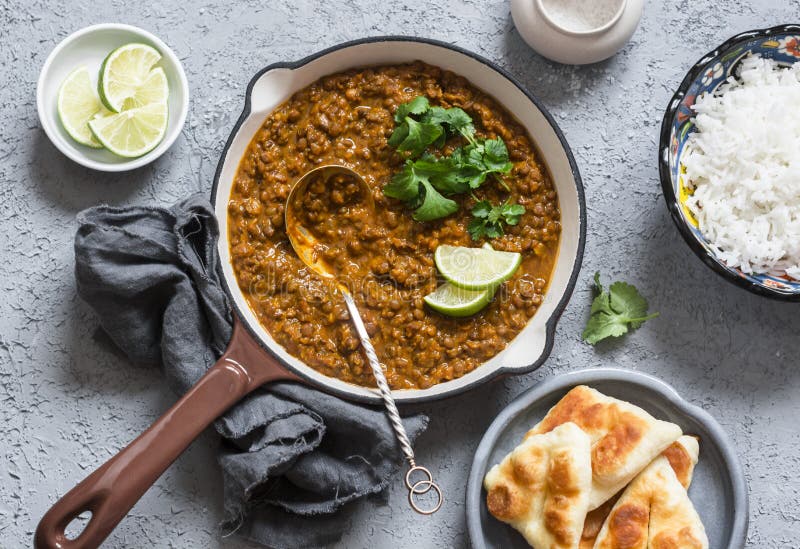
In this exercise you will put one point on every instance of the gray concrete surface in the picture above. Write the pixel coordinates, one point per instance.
(68, 402)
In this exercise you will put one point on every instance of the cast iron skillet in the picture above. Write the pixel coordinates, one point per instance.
(253, 358)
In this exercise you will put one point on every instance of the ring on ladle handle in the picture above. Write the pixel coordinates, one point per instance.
(303, 243)
(422, 486)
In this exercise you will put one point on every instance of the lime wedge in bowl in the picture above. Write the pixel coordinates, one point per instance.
(457, 302)
(154, 89)
(475, 268)
(126, 80)
(77, 105)
(133, 132)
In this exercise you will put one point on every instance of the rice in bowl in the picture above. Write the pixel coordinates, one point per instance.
(742, 168)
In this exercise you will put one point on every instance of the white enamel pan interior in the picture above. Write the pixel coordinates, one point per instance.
(277, 83)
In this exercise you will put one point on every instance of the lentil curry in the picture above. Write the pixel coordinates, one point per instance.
(380, 252)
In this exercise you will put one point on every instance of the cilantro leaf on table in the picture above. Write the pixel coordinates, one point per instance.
(615, 311)
(489, 220)
(601, 326)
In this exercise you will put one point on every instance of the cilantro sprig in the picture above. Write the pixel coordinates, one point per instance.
(615, 311)
(489, 220)
(481, 158)
(417, 185)
(426, 180)
(432, 126)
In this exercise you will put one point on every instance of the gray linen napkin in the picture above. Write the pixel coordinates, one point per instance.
(291, 456)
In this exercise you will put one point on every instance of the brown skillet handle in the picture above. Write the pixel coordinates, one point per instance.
(111, 491)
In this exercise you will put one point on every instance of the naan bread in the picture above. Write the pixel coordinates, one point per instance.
(654, 512)
(682, 456)
(624, 437)
(542, 487)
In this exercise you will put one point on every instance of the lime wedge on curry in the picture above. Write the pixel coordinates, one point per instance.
(457, 302)
(475, 268)
(77, 105)
(133, 132)
(127, 78)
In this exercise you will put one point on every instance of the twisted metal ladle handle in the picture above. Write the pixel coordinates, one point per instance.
(415, 488)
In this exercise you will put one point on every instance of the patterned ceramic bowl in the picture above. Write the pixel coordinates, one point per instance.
(779, 43)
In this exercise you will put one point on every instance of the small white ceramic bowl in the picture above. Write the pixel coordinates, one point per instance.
(89, 46)
(545, 30)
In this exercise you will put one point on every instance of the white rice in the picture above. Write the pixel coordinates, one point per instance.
(744, 166)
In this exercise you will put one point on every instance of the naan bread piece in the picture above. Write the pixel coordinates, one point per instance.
(542, 487)
(682, 456)
(654, 512)
(594, 522)
(624, 437)
(674, 522)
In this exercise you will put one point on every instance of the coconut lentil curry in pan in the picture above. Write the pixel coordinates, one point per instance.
(382, 253)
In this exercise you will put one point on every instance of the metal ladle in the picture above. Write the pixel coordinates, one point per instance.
(306, 246)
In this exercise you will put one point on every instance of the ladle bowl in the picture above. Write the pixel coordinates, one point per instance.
(308, 248)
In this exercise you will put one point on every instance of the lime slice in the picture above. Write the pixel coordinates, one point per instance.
(154, 89)
(103, 112)
(475, 268)
(77, 104)
(133, 132)
(454, 301)
(125, 77)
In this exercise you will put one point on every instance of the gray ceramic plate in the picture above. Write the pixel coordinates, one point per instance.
(718, 488)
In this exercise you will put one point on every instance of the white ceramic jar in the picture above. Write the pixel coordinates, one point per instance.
(576, 32)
